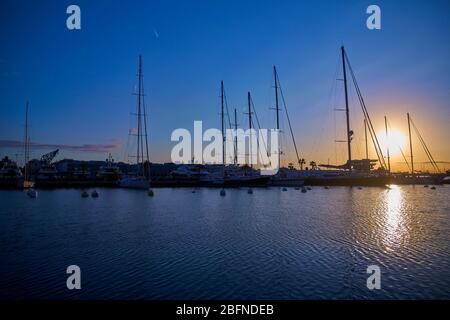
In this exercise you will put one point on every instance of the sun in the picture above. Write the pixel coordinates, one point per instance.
(395, 140)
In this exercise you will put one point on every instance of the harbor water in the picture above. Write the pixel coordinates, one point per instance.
(271, 244)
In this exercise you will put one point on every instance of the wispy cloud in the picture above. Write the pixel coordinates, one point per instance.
(81, 148)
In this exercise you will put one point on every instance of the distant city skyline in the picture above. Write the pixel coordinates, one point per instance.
(79, 83)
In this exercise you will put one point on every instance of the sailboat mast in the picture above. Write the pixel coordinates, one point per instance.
(26, 142)
(235, 137)
(275, 78)
(347, 113)
(410, 144)
(387, 144)
(146, 164)
(276, 96)
(138, 154)
(250, 128)
(222, 98)
(365, 137)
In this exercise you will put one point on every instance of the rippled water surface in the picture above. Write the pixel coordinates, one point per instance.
(269, 245)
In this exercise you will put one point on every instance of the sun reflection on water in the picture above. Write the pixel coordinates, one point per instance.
(395, 229)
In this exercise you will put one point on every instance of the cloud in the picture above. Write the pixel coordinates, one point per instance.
(81, 148)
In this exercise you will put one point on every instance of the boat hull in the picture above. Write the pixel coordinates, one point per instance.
(368, 181)
(236, 182)
(134, 183)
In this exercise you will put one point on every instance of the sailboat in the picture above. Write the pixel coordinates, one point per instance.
(285, 176)
(141, 178)
(27, 183)
(356, 172)
(233, 175)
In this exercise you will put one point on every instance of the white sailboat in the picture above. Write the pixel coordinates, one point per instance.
(141, 178)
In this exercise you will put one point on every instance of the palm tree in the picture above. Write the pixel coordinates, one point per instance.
(301, 162)
(313, 165)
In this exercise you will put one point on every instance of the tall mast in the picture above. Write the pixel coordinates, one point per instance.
(250, 127)
(410, 144)
(145, 126)
(276, 96)
(347, 113)
(138, 155)
(235, 137)
(26, 142)
(144, 118)
(365, 137)
(387, 144)
(222, 98)
(275, 78)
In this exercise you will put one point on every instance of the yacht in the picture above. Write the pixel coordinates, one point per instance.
(141, 178)
(110, 172)
(10, 174)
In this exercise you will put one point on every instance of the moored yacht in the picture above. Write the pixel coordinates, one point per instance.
(110, 172)
(134, 182)
(141, 178)
(10, 174)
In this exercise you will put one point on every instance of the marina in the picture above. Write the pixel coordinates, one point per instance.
(224, 159)
(139, 175)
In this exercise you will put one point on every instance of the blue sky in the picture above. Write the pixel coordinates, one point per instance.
(79, 83)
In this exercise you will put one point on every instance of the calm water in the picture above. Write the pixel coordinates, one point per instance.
(269, 245)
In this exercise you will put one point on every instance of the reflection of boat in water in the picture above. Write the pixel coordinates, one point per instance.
(141, 178)
(32, 193)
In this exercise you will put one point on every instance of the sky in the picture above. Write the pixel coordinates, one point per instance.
(79, 83)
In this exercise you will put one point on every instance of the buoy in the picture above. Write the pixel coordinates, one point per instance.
(297, 188)
(222, 193)
(326, 187)
(150, 193)
(425, 186)
(84, 194)
(309, 188)
(94, 194)
(284, 189)
(250, 191)
(303, 190)
(193, 191)
(359, 188)
(433, 188)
